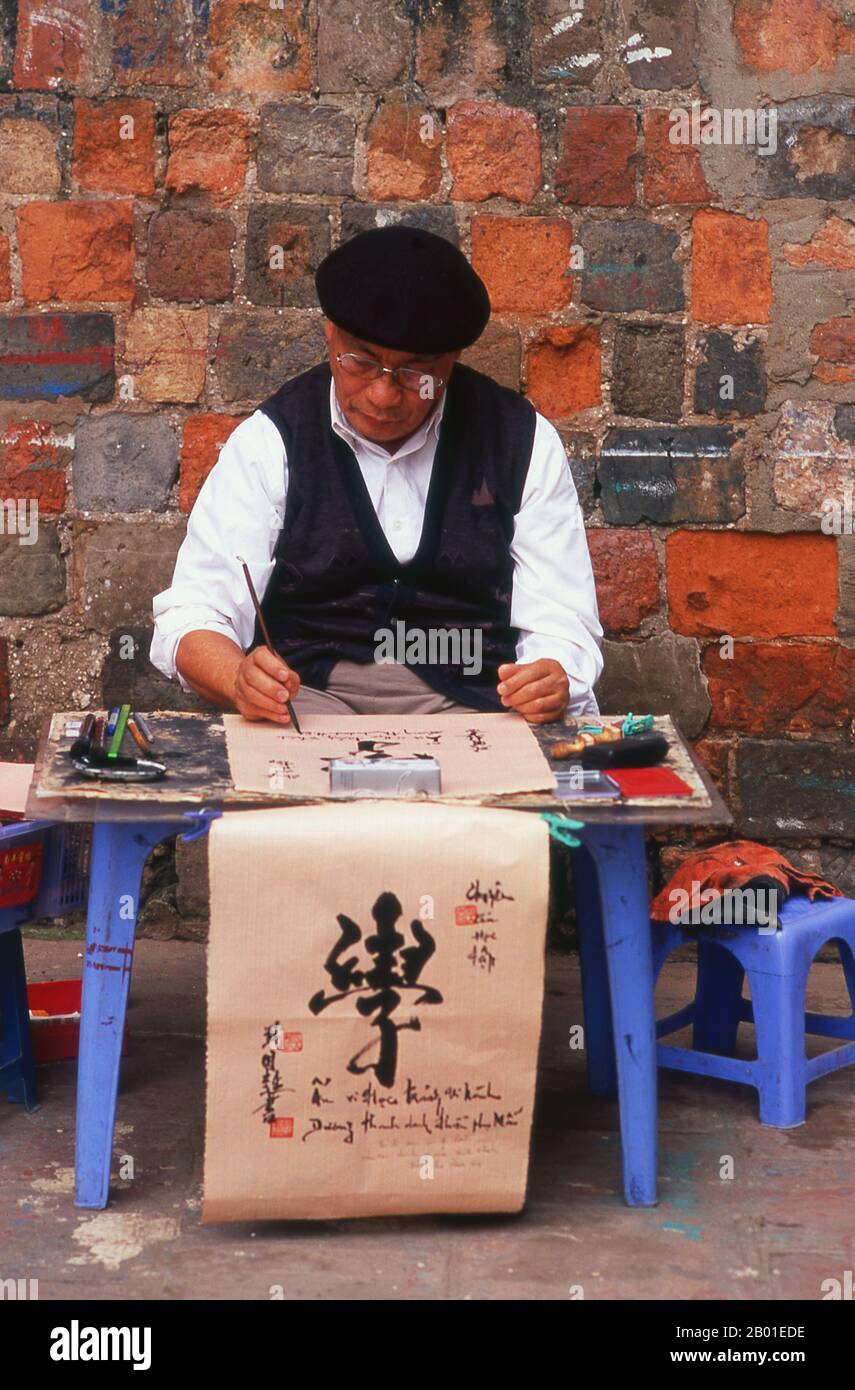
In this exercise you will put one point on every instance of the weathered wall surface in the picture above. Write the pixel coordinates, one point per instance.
(170, 174)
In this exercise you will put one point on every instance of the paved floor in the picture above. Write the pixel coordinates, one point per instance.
(783, 1224)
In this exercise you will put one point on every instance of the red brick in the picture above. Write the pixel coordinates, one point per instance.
(794, 35)
(523, 261)
(51, 42)
(564, 370)
(672, 173)
(731, 268)
(76, 252)
(404, 152)
(5, 274)
(750, 584)
(626, 573)
(154, 42)
(772, 689)
(114, 145)
(597, 161)
(32, 463)
(713, 754)
(834, 344)
(493, 150)
(208, 153)
(28, 156)
(459, 51)
(829, 372)
(166, 350)
(833, 246)
(256, 48)
(203, 438)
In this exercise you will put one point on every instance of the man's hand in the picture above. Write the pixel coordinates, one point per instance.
(538, 690)
(263, 683)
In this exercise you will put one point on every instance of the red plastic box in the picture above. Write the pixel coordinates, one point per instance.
(56, 1036)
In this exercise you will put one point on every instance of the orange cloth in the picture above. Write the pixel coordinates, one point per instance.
(734, 865)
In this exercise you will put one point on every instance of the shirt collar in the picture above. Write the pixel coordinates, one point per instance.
(429, 426)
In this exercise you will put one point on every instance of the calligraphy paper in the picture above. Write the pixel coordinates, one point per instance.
(375, 987)
(478, 754)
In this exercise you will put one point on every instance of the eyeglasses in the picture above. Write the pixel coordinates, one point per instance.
(406, 377)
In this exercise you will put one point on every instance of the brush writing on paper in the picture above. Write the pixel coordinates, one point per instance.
(272, 1085)
(481, 955)
(427, 1108)
(394, 971)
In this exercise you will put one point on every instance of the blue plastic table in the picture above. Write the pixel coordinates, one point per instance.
(611, 884)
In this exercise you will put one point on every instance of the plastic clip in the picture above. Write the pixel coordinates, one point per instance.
(560, 828)
(636, 724)
(202, 823)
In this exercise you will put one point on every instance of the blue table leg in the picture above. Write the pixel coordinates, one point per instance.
(618, 854)
(596, 998)
(119, 852)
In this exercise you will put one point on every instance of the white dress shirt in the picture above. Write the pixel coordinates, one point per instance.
(241, 506)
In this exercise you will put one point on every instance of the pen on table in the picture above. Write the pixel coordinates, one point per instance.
(265, 634)
(119, 732)
(83, 743)
(135, 730)
(143, 727)
(112, 721)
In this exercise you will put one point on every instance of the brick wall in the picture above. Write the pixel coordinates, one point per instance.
(171, 174)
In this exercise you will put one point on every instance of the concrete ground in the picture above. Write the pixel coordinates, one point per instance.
(783, 1224)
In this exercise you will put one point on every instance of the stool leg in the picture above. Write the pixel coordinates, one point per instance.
(779, 1023)
(19, 1082)
(618, 852)
(596, 1003)
(119, 852)
(847, 960)
(717, 997)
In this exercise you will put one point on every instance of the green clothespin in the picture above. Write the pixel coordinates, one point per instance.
(636, 724)
(560, 827)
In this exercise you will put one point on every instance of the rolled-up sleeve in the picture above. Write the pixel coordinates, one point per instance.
(554, 601)
(238, 512)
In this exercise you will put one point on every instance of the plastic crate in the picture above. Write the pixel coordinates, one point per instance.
(55, 1020)
(65, 875)
(21, 862)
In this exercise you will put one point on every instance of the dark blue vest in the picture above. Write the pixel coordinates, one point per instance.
(336, 580)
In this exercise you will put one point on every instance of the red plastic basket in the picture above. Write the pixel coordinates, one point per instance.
(56, 1032)
(20, 872)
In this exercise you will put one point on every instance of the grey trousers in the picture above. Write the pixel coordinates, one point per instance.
(373, 688)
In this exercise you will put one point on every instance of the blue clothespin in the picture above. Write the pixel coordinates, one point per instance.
(636, 724)
(560, 827)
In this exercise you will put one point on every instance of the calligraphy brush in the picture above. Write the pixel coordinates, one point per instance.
(265, 634)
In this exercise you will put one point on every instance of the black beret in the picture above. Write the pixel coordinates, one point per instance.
(403, 288)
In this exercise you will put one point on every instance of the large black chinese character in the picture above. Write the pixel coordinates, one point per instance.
(394, 972)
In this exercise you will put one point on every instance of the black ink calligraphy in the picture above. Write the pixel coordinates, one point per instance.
(395, 971)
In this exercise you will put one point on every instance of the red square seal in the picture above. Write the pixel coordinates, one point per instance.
(466, 916)
(282, 1128)
(290, 1042)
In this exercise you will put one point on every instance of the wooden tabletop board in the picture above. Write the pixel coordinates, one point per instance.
(193, 747)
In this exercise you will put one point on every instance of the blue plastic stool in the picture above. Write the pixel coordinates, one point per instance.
(62, 887)
(17, 1074)
(777, 965)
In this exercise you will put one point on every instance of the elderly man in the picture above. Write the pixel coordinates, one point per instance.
(412, 525)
